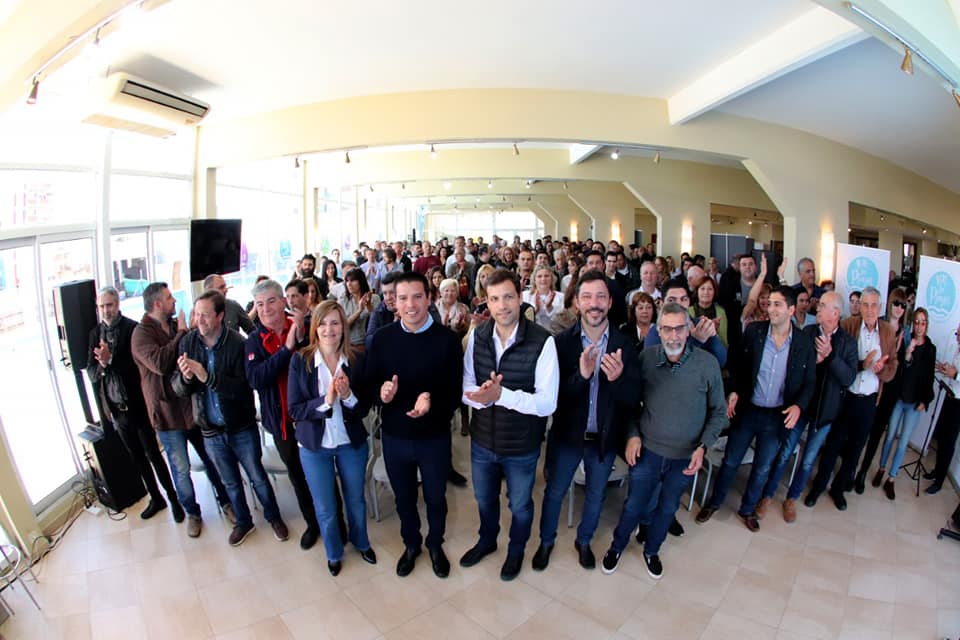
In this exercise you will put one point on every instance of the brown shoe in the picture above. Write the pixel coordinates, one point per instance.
(762, 508)
(750, 521)
(705, 514)
(789, 510)
(888, 489)
(877, 478)
(280, 531)
(194, 526)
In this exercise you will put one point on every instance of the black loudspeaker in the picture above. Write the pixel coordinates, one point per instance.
(112, 472)
(75, 309)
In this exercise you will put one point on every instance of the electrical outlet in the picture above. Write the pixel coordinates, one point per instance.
(94, 509)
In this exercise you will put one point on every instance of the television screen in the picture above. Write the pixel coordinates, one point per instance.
(214, 247)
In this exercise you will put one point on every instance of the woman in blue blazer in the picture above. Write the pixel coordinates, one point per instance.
(330, 431)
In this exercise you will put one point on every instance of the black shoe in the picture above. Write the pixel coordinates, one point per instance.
(610, 561)
(456, 479)
(586, 557)
(929, 475)
(542, 557)
(848, 486)
(475, 554)
(654, 567)
(676, 529)
(511, 567)
(407, 561)
(641, 534)
(441, 566)
(934, 488)
(309, 538)
(860, 484)
(811, 499)
(838, 500)
(369, 556)
(334, 567)
(156, 506)
(177, 511)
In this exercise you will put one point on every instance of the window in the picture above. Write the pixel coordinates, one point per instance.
(150, 198)
(34, 198)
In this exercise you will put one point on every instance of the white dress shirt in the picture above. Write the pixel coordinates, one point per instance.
(867, 381)
(952, 357)
(542, 402)
(335, 430)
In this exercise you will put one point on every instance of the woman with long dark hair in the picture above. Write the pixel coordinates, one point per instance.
(329, 274)
(357, 302)
(330, 431)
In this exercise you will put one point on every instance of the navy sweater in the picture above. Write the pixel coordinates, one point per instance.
(431, 361)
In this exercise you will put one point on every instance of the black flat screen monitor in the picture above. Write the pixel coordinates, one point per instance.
(214, 247)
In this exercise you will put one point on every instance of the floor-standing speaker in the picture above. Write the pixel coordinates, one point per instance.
(112, 472)
(75, 309)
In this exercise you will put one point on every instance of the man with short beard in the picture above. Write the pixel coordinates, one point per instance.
(666, 444)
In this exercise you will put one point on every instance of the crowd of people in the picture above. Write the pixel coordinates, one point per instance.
(598, 350)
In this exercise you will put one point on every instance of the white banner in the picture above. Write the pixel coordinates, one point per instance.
(937, 292)
(860, 267)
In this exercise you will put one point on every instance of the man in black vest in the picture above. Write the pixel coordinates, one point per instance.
(599, 388)
(510, 378)
(116, 379)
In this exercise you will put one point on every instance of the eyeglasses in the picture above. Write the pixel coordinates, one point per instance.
(900, 304)
(670, 331)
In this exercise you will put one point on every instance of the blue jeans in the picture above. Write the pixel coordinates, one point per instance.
(175, 446)
(562, 461)
(902, 422)
(230, 451)
(765, 425)
(789, 442)
(653, 475)
(520, 471)
(322, 467)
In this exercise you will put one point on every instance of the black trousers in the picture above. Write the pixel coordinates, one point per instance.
(880, 421)
(948, 425)
(403, 457)
(845, 441)
(140, 441)
(290, 455)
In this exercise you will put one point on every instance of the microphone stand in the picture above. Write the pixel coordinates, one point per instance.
(916, 469)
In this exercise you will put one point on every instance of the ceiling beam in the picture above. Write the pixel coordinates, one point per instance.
(580, 152)
(817, 33)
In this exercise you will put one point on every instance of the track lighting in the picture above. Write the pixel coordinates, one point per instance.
(346, 159)
(924, 229)
(564, 185)
(528, 184)
(403, 186)
(529, 198)
(616, 154)
(656, 158)
(907, 65)
(433, 152)
(516, 151)
(489, 184)
(32, 98)
(477, 199)
(371, 188)
(296, 162)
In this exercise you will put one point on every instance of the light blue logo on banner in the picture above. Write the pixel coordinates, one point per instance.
(941, 295)
(862, 273)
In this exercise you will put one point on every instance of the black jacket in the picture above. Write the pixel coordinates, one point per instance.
(834, 375)
(303, 393)
(264, 372)
(918, 374)
(801, 365)
(121, 361)
(616, 401)
(228, 381)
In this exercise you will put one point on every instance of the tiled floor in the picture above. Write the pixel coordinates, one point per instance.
(874, 571)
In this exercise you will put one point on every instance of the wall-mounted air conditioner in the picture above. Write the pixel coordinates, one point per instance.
(122, 101)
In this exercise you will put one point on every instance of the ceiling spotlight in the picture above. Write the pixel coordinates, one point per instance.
(433, 152)
(371, 188)
(616, 154)
(428, 201)
(447, 186)
(403, 185)
(474, 206)
(749, 221)
(32, 98)
(656, 158)
(489, 184)
(528, 184)
(516, 151)
(907, 65)
(296, 162)
(477, 199)
(529, 198)
(882, 218)
(346, 159)
(454, 198)
(924, 229)
(504, 198)
(564, 185)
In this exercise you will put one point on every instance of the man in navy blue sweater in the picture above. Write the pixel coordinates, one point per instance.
(415, 368)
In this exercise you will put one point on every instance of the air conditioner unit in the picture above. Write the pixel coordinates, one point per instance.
(122, 101)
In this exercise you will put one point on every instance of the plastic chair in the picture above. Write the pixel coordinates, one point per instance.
(618, 473)
(10, 572)
(713, 458)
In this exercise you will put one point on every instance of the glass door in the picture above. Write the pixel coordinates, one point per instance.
(33, 418)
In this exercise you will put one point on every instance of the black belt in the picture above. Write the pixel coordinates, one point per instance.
(591, 436)
(766, 409)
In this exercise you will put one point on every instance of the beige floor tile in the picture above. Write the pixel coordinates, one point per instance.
(189, 623)
(773, 557)
(692, 579)
(864, 616)
(660, 614)
(236, 603)
(68, 558)
(113, 589)
(388, 600)
(789, 635)
(916, 586)
(122, 624)
(724, 626)
(213, 563)
(559, 621)
(499, 608)
(877, 513)
(814, 612)
(719, 541)
(948, 622)
(820, 569)
(830, 539)
(756, 597)
(269, 629)
(335, 617)
(948, 586)
(912, 617)
(601, 596)
(439, 622)
(155, 541)
(162, 576)
(914, 550)
(62, 595)
(292, 584)
(873, 580)
(110, 551)
(874, 544)
(75, 627)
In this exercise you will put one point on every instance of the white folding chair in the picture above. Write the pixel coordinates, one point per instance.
(713, 458)
(618, 473)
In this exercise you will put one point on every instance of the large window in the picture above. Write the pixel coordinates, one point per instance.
(505, 224)
(147, 198)
(35, 198)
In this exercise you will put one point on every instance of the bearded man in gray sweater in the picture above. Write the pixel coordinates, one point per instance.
(684, 411)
